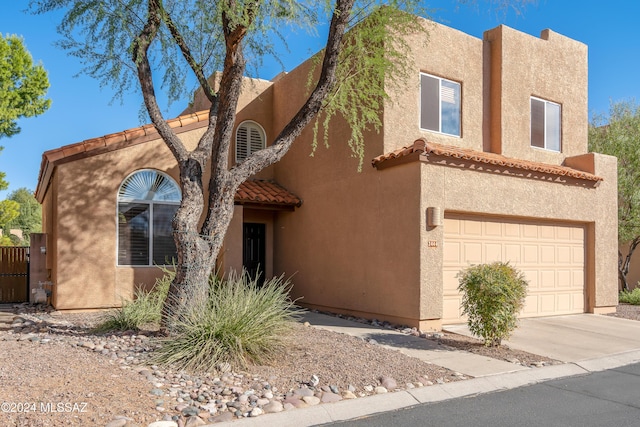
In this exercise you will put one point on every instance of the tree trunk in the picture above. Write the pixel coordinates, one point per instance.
(624, 263)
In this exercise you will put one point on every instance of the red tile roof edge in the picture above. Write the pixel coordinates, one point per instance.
(422, 146)
(266, 192)
(52, 157)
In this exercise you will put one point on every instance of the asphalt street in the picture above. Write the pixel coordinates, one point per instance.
(606, 398)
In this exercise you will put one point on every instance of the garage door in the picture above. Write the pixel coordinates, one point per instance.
(551, 256)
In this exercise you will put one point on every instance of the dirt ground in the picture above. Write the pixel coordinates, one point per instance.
(56, 381)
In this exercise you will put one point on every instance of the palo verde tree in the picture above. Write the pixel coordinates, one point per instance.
(140, 44)
(619, 135)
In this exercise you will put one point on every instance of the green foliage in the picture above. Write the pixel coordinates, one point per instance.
(23, 86)
(630, 297)
(374, 60)
(619, 135)
(3, 183)
(241, 323)
(101, 34)
(143, 310)
(29, 219)
(492, 296)
(9, 210)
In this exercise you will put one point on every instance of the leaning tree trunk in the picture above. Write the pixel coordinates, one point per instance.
(624, 263)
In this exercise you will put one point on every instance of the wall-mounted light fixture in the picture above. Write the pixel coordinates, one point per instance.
(434, 216)
(43, 249)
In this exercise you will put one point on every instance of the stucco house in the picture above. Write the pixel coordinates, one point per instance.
(482, 157)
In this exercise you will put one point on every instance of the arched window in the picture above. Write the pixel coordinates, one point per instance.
(250, 137)
(147, 203)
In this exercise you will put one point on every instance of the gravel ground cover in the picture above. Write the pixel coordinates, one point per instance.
(56, 372)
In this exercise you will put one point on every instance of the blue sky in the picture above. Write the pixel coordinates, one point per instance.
(81, 109)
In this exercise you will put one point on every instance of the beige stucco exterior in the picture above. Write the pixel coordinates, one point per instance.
(360, 243)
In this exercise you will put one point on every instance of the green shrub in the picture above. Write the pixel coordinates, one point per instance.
(630, 297)
(143, 310)
(492, 296)
(241, 323)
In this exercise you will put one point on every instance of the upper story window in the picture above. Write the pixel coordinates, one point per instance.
(147, 203)
(439, 105)
(546, 124)
(250, 137)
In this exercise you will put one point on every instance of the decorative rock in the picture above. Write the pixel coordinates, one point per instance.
(301, 392)
(347, 394)
(194, 422)
(311, 400)
(163, 424)
(157, 392)
(273, 407)
(222, 418)
(380, 390)
(296, 402)
(368, 388)
(256, 412)
(388, 383)
(191, 411)
(330, 398)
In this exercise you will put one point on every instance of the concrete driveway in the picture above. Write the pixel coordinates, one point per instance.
(573, 338)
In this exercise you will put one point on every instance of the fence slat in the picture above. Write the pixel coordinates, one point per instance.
(14, 273)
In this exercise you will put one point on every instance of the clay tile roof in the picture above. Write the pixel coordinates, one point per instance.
(109, 142)
(421, 146)
(265, 192)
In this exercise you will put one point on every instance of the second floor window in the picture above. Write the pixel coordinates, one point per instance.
(546, 124)
(439, 105)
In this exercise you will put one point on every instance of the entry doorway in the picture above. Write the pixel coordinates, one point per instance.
(253, 250)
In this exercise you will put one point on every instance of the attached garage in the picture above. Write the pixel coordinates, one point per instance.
(551, 256)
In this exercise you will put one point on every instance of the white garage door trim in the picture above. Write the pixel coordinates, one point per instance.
(551, 256)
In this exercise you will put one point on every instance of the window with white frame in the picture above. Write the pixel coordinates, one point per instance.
(147, 203)
(439, 105)
(546, 124)
(250, 138)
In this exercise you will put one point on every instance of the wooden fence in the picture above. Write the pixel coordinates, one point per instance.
(14, 273)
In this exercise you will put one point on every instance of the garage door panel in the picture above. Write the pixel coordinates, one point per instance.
(547, 254)
(530, 253)
(551, 257)
(512, 252)
(492, 252)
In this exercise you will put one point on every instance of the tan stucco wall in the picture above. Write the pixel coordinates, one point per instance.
(82, 204)
(497, 195)
(552, 67)
(449, 54)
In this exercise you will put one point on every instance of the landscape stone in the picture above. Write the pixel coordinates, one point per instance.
(311, 400)
(388, 383)
(273, 407)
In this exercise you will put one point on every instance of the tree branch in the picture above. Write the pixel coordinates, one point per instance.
(140, 58)
(282, 143)
(186, 53)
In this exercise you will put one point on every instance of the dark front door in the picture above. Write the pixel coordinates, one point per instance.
(253, 250)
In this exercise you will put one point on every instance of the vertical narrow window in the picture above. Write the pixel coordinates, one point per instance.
(439, 105)
(546, 124)
(147, 203)
(250, 137)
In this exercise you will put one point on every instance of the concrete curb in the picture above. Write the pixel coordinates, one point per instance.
(356, 408)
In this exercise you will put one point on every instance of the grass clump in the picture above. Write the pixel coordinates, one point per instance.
(492, 296)
(144, 309)
(630, 297)
(241, 323)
